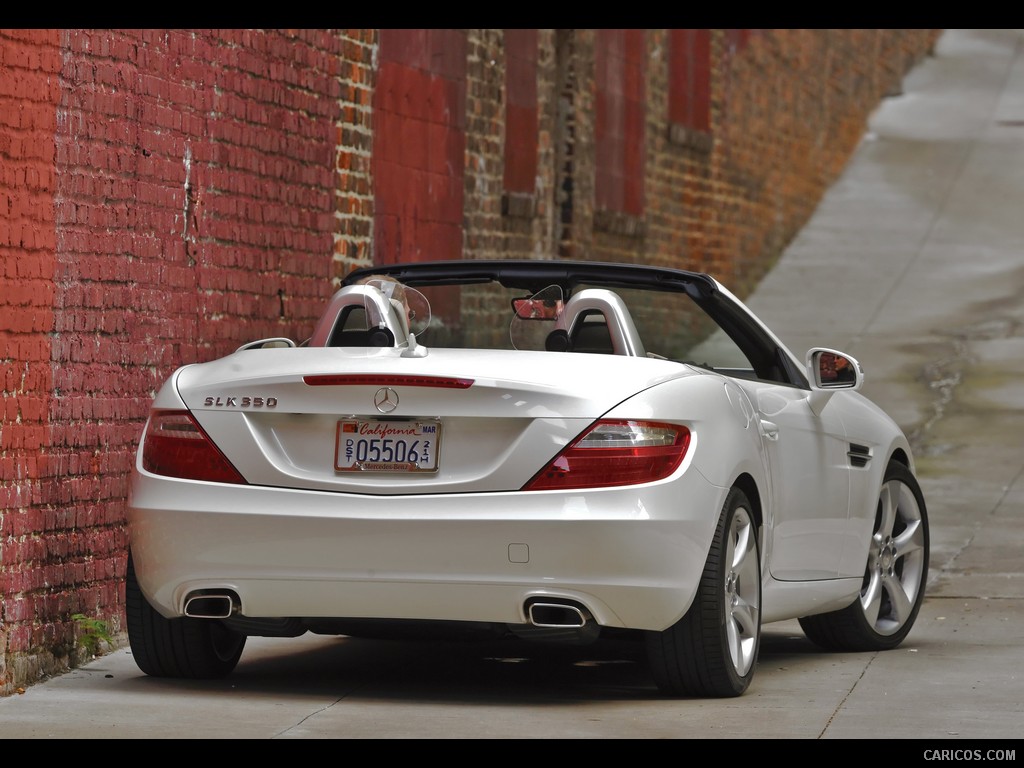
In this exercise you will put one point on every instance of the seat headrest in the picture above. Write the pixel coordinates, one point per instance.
(592, 337)
(557, 341)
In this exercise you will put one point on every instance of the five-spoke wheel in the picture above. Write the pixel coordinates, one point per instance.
(894, 578)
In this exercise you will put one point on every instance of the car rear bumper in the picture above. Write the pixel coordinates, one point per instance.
(631, 556)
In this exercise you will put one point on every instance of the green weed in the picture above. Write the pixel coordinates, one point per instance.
(92, 632)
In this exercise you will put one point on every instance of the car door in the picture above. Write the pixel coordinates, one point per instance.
(810, 482)
(805, 454)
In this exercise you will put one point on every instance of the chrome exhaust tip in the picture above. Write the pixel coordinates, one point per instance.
(558, 615)
(210, 606)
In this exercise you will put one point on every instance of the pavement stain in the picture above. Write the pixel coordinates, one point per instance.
(961, 381)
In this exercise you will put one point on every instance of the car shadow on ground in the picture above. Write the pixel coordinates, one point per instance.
(437, 671)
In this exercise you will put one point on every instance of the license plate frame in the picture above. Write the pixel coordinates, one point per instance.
(386, 446)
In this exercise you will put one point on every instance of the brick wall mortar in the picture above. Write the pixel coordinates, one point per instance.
(28, 94)
(181, 200)
(353, 239)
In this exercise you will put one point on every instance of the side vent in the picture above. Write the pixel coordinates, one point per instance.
(859, 455)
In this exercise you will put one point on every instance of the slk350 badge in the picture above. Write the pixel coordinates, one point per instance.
(240, 402)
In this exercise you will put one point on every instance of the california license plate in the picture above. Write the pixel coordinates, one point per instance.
(387, 446)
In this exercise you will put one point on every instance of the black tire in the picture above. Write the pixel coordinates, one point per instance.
(712, 650)
(182, 647)
(894, 577)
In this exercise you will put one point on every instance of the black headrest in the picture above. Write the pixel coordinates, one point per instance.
(381, 337)
(557, 341)
(592, 337)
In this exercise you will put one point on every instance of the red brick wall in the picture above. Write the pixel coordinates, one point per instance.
(353, 138)
(419, 144)
(521, 126)
(689, 78)
(620, 155)
(30, 62)
(171, 194)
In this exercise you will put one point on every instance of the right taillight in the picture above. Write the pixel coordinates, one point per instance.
(176, 446)
(614, 453)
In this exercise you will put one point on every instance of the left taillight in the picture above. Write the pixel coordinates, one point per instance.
(612, 453)
(176, 446)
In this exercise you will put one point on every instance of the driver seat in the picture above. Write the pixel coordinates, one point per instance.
(361, 316)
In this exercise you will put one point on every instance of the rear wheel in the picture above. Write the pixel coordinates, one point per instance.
(180, 647)
(894, 578)
(712, 651)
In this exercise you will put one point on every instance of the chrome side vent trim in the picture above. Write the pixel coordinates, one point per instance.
(859, 455)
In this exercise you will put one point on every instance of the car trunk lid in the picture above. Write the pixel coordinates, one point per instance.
(488, 419)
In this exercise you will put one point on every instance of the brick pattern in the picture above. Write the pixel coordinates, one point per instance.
(29, 64)
(177, 196)
(619, 127)
(520, 99)
(788, 109)
(419, 145)
(483, 182)
(689, 85)
(353, 238)
(171, 194)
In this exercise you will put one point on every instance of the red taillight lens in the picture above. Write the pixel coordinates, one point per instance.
(176, 446)
(615, 453)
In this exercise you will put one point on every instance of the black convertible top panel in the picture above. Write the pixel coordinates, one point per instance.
(535, 275)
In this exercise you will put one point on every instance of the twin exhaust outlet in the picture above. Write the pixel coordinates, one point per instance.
(565, 614)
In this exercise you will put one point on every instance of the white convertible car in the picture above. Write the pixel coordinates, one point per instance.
(534, 450)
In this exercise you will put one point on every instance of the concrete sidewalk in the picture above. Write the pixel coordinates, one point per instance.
(919, 249)
(919, 253)
(914, 264)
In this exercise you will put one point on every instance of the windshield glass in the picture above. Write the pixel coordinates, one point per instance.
(667, 324)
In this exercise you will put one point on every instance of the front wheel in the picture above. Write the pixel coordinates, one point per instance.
(712, 650)
(894, 578)
(181, 647)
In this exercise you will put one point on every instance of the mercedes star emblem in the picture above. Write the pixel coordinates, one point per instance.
(386, 400)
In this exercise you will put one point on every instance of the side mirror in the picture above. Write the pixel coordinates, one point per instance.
(829, 370)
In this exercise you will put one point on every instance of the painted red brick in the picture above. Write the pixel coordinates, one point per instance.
(689, 95)
(189, 175)
(521, 125)
(419, 144)
(620, 153)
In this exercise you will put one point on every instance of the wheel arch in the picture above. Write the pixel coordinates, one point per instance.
(900, 456)
(746, 483)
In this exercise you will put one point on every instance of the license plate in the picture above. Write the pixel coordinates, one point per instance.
(387, 446)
